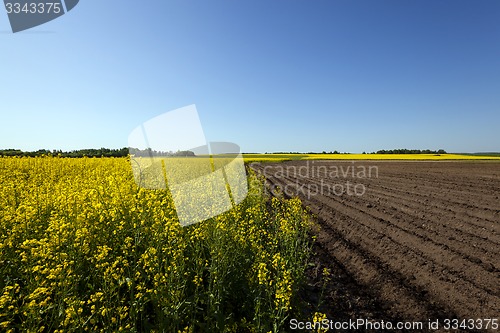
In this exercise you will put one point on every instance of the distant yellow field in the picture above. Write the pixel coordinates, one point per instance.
(416, 157)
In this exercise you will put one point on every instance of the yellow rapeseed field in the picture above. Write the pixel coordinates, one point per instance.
(409, 157)
(83, 248)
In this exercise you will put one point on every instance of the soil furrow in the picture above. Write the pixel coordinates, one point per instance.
(423, 238)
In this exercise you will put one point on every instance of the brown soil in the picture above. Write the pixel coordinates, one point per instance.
(419, 241)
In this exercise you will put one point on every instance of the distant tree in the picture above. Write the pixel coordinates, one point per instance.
(184, 153)
(410, 151)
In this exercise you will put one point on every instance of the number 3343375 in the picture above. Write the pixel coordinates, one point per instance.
(33, 8)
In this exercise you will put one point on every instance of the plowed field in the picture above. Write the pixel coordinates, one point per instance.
(421, 238)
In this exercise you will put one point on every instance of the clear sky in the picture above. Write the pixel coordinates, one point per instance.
(273, 75)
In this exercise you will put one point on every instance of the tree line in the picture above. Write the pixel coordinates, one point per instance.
(411, 151)
(123, 152)
(102, 152)
(392, 151)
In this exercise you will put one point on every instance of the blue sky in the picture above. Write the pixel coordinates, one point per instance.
(280, 75)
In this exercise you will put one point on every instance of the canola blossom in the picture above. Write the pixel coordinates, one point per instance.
(376, 157)
(84, 248)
